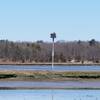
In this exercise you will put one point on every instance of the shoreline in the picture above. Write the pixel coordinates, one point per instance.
(48, 64)
(48, 88)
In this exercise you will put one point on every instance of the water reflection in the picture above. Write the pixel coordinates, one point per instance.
(49, 94)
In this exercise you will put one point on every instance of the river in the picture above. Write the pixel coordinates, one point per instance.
(45, 84)
(44, 68)
(49, 94)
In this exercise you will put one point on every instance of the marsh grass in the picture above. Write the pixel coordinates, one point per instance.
(43, 75)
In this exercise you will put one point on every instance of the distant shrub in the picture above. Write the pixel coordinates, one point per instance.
(7, 76)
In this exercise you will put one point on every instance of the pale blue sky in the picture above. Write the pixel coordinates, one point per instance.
(32, 20)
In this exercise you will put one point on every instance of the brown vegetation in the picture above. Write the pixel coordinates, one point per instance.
(78, 52)
(47, 76)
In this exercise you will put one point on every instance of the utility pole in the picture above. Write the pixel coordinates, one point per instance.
(53, 36)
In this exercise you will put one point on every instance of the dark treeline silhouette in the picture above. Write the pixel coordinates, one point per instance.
(72, 51)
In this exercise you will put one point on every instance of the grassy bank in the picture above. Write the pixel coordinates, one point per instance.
(48, 75)
(49, 63)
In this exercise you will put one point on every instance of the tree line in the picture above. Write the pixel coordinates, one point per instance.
(71, 51)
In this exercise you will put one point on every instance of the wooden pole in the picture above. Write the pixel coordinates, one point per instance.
(53, 54)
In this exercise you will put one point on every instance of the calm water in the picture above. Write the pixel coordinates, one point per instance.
(62, 84)
(56, 68)
(49, 94)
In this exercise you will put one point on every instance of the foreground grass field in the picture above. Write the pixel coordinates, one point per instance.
(48, 75)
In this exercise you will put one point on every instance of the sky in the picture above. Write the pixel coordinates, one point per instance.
(32, 20)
